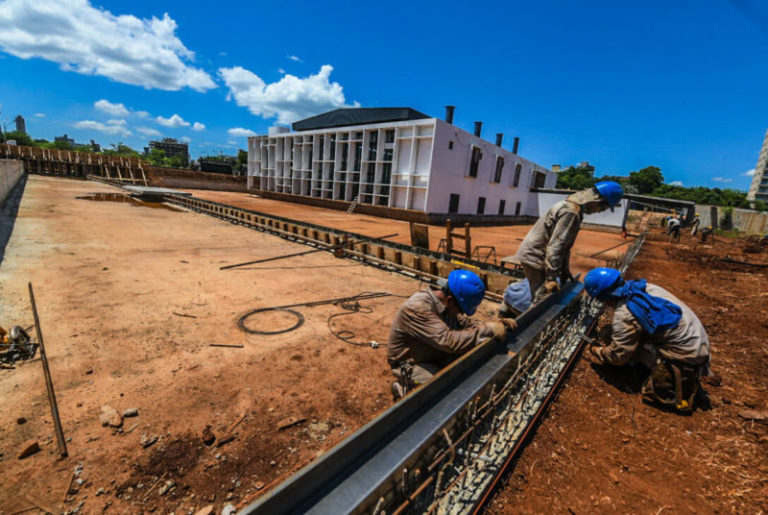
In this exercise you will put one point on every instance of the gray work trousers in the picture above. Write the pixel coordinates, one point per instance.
(536, 279)
(420, 374)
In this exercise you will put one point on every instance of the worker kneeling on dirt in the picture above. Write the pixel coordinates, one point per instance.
(546, 250)
(433, 327)
(653, 327)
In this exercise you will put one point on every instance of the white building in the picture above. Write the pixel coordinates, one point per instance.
(758, 190)
(395, 158)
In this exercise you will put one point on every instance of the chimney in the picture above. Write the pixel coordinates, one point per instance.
(478, 128)
(515, 145)
(499, 137)
(449, 114)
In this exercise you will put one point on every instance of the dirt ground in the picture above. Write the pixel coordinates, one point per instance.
(130, 298)
(505, 239)
(600, 449)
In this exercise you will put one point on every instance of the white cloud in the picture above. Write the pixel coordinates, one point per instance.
(93, 41)
(294, 58)
(174, 121)
(197, 126)
(142, 114)
(281, 71)
(186, 139)
(98, 126)
(110, 108)
(288, 99)
(239, 132)
(722, 179)
(149, 132)
(749, 173)
(39, 115)
(676, 183)
(117, 122)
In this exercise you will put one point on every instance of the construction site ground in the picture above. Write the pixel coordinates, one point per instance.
(602, 450)
(505, 239)
(131, 298)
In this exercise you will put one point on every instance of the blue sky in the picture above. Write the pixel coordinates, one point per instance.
(680, 85)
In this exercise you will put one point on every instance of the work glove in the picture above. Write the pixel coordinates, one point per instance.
(594, 355)
(551, 286)
(510, 323)
(498, 328)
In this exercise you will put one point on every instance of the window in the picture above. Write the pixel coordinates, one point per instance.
(474, 161)
(517, 208)
(371, 172)
(321, 146)
(516, 181)
(389, 136)
(453, 203)
(502, 205)
(387, 154)
(358, 135)
(481, 205)
(499, 168)
(386, 173)
(450, 145)
(539, 179)
(344, 150)
(358, 156)
(333, 146)
(373, 145)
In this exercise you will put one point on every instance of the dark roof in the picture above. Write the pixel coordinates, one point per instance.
(357, 116)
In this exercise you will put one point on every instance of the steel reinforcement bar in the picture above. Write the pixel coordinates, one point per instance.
(420, 263)
(443, 448)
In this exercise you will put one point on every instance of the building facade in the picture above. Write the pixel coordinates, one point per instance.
(172, 148)
(396, 158)
(21, 124)
(758, 190)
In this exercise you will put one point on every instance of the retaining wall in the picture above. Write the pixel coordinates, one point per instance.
(187, 179)
(11, 171)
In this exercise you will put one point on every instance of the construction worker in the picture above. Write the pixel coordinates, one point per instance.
(673, 228)
(546, 250)
(695, 225)
(433, 327)
(652, 327)
(517, 298)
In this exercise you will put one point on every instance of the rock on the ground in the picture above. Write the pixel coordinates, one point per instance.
(29, 448)
(21, 420)
(131, 412)
(208, 510)
(229, 509)
(147, 440)
(225, 439)
(110, 417)
(208, 436)
(757, 416)
(167, 486)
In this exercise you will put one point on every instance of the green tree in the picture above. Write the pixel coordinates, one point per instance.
(647, 179)
(21, 138)
(576, 178)
(156, 157)
(121, 150)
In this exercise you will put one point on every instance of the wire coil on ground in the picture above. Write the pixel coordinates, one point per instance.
(241, 322)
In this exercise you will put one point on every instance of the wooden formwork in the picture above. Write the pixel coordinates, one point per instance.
(70, 163)
(418, 262)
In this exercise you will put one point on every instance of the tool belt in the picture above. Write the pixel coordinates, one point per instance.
(673, 384)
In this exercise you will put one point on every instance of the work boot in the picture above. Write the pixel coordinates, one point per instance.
(398, 391)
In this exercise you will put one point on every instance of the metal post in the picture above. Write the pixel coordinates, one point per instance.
(48, 382)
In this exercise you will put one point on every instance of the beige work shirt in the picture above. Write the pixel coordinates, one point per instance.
(688, 342)
(547, 246)
(423, 332)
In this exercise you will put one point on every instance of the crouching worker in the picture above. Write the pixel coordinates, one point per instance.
(433, 327)
(653, 327)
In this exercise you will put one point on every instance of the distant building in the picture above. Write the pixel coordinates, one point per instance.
(64, 139)
(218, 164)
(21, 125)
(172, 147)
(758, 190)
(398, 158)
(582, 164)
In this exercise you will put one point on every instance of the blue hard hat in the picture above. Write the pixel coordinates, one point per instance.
(610, 191)
(599, 280)
(468, 290)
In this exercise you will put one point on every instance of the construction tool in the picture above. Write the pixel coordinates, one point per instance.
(331, 248)
(16, 345)
(48, 382)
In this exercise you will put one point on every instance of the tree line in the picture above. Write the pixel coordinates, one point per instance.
(650, 181)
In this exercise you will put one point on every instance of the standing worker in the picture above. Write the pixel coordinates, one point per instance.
(695, 225)
(546, 250)
(653, 327)
(433, 327)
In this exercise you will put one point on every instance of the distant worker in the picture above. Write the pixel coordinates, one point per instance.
(546, 250)
(695, 225)
(433, 327)
(652, 327)
(517, 298)
(673, 228)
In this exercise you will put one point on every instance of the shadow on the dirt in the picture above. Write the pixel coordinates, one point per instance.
(8, 211)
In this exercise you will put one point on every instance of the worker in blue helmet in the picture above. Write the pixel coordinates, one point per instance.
(546, 250)
(652, 327)
(433, 327)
